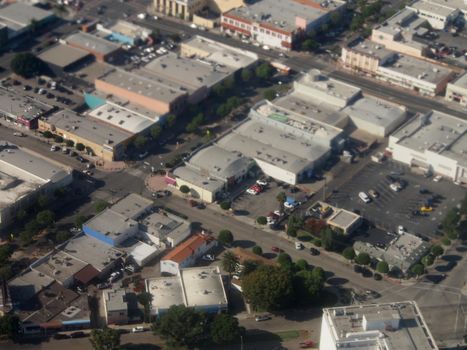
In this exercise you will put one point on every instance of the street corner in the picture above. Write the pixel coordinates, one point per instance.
(155, 182)
(114, 166)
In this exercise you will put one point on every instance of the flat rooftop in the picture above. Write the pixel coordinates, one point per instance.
(18, 15)
(132, 206)
(123, 117)
(129, 29)
(16, 105)
(219, 53)
(432, 7)
(402, 25)
(187, 73)
(203, 286)
(461, 82)
(92, 251)
(115, 299)
(62, 55)
(398, 325)
(165, 291)
(163, 225)
(405, 250)
(372, 49)
(111, 223)
(418, 69)
(28, 284)
(456, 4)
(197, 178)
(376, 111)
(88, 128)
(138, 82)
(92, 43)
(436, 132)
(343, 218)
(283, 14)
(59, 266)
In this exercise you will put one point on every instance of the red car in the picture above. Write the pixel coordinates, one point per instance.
(307, 344)
(277, 250)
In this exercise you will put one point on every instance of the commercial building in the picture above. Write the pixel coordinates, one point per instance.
(156, 94)
(434, 142)
(185, 254)
(17, 18)
(402, 252)
(115, 306)
(186, 9)
(105, 140)
(103, 50)
(397, 325)
(279, 25)
(450, 4)
(457, 90)
(133, 206)
(164, 229)
(341, 220)
(198, 287)
(398, 32)
(63, 57)
(22, 110)
(437, 14)
(125, 32)
(23, 176)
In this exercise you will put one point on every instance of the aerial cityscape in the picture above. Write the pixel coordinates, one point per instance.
(233, 174)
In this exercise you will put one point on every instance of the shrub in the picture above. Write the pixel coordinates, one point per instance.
(261, 220)
(225, 205)
(446, 241)
(257, 250)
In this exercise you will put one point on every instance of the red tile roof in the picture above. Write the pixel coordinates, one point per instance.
(187, 248)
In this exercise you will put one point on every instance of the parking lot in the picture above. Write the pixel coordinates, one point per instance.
(392, 208)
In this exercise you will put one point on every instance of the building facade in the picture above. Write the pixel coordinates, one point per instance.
(115, 306)
(457, 91)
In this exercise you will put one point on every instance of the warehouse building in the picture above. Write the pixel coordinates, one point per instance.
(103, 50)
(457, 90)
(23, 176)
(62, 57)
(437, 14)
(434, 142)
(396, 325)
(201, 288)
(279, 25)
(125, 32)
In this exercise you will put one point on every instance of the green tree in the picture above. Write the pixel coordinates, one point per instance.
(302, 264)
(145, 299)
(328, 239)
(100, 205)
(294, 224)
(225, 329)
(79, 147)
(69, 143)
(47, 134)
(229, 82)
(246, 74)
(269, 94)
(418, 269)
(249, 266)
(284, 260)
(446, 241)
(437, 250)
(27, 65)
(261, 220)
(171, 119)
(229, 262)
(233, 102)
(21, 215)
(264, 71)
(45, 218)
(32, 227)
(225, 237)
(257, 250)
(42, 201)
(357, 23)
(80, 220)
(182, 326)
(382, 267)
(349, 253)
(60, 192)
(5, 273)
(222, 110)
(308, 286)
(105, 339)
(140, 141)
(184, 189)
(463, 209)
(268, 288)
(225, 205)
(192, 127)
(156, 131)
(26, 238)
(309, 45)
(336, 18)
(363, 259)
(9, 325)
(6, 250)
(62, 236)
(428, 260)
(281, 198)
(219, 90)
(58, 139)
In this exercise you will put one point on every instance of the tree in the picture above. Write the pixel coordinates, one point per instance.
(62, 236)
(25, 238)
(225, 205)
(90, 151)
(268, 288)
(229, 82)
(45, 218)
(336, 18)
(302, 264)
(257, 250)
(225, 237)
(328, 238)
(105, 339)
(294, 224)
(284, 260)
(269, 94)
(382, 267)
(80, 220)
(349, 253)
(225, 329)
(47, 134)
(184, 189)
(21, 214)
(363, 259)
(249, 266)
(309, 45)
(281, 198)
(79, 147)
(60, 192)
(308, 285)
(233, 102)
(27, 65)
(9, 325)
(264, 71)
(357, 23)
(428, 260)
(5, 273)
(6, 250)
(229, 262)
(261, 220)
(140, 141)
(222, 110)
(418, 269)
(437, 250)
(32, 227)
(58, 139)
(182, 326)
(171, 119)
(446, 241)
(192, 127)
(100, 205)
(145, 299)
(219, 90)
(246, 74)
(42, 201)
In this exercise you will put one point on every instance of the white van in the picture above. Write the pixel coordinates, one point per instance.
(364, 197)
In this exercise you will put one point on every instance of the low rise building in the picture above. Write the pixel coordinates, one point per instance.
(115, 306)
(106, 141)
(186, 253)
(125, 32)
(457, 91)
(201, 288)
(434, 142)
(279, 25)
(186, 9)
(103, 50)
(437, 14)
(165, 229)
(397, 325)
(133, 206)
(339, 219)
(460, 5)
(62, 57)
(25, 175)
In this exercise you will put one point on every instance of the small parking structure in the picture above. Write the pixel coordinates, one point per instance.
(392, 209)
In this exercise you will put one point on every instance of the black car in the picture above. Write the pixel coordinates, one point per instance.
(357, 269)
(424, 191)
(377, 277)
(27, 87)
(366, 272)
(59, 336)
(314, 251)
(78, 335)
(81, 159)
(391, 178)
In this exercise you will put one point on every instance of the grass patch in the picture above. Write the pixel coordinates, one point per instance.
(288, 335)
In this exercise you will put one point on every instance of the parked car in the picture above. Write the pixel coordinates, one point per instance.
(373, 193)
(314, 251)
(298, 246)
(279, 213)
(437, 178)
(364, 197)
(78, 335)
(262, 182)
(208, 257)
(19, 134)
(395, 187)
(277, 250)
(59, 336)
(260, 318)
(400, 229)
(53, 148)
(291, 205)
(137, 329)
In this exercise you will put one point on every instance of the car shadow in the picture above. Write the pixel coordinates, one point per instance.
(244, 244)
(337, 281)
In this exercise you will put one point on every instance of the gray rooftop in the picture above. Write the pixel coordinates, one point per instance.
(455, 4)
(166, 291)
(111, 223)
(461, 82)
(132, 206)
(165, 225)
(59, 266)
(62, 55)
(283, 14)
(115, 299)
(398, 325)
(18, 15)
(89, 128)
(28, 284)
(343, 218)
(138, 82)
(15, 105)
(432, 7)
(87, 41)
(197, 178)
(372, 49)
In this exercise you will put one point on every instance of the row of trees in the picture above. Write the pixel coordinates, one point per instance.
(68, 143)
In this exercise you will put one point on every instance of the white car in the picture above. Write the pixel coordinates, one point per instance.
(290, 205)
(194, 26)
(137, 329)
(142, 16)
(262, 182)
(53, 148)
(298, 246)
(279, 213)
(208, 257)
(156, 18)
(437, 178)
(400, 229)
(251, 191)
(364, 197)
(266, 48)
(395, 187)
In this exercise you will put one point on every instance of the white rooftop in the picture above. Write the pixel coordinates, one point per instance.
(115, 300)
(373, 49)
(91, 42)
(132, 206)
(432, 7)
(111, 223)
(461, 82)
(198, 178)
(166, 291)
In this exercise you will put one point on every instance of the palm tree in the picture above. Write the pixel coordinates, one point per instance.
(281, 198)
(230, 264)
